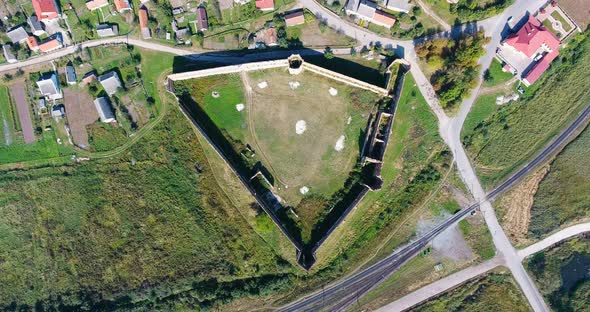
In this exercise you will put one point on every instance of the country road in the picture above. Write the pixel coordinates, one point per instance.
(437, 288)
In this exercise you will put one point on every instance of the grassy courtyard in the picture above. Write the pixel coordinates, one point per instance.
(305, 166)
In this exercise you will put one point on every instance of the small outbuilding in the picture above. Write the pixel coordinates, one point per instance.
(202, 21)
(110, 82)
(17, 35)
(58, 111)
(106, 30)
(36, 26)
(8, 55)
(71, 74)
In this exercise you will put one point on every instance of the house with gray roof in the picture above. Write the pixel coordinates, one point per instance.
(49, 86)
(399, 5)
(106, 30)
(36, 26)
(58, 111)
(8, 55)
(363, 9)
(110, 82)
(17, 35)
(70, 74)
(103, 107)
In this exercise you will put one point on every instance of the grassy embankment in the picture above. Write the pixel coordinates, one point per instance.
(563, 197)
(505, 139)
(497, 290)
(467, 10)
(561, 274)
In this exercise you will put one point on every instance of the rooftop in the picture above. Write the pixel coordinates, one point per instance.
(110, 82)
(265, 4)
(46, 9)
(532, 36)
(17, 35)
(383, 18)
(103, 107)
(122, 5)
(295, 18)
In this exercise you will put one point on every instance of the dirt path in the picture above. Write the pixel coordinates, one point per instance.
(17, 90)
(518, 207)
(503, 87)
(431, 13)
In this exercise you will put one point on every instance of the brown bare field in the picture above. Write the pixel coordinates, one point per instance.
(81, 112)
(517, 204)
(17, 91)
(579, 10)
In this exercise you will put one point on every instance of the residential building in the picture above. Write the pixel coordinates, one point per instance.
(46, 9)
(106, 30)
(176, 11)
(58, 111)
(202, 22)
(89, 77)
(399, 5)
(110, 82)
(8, 55)
(49, 86)
(122, 5)
(96, 4)
(270, 37)
(384, 19)
(265, 5)
(17, 35)
(71, 74)
(530, 50)
(368, 11)
(179, 33)
(36, 26)
(295, 18)
(51, 44)
(105, 112)
(32, 43)
(143, 23)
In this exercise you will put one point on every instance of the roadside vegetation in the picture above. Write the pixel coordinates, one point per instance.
(497, 290)
(561, 273)
(494, 75)
(478, 237)
(562, 197)
(505, 139)
(467, 10)
(453, 65)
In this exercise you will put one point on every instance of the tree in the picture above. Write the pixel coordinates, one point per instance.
(328, 53)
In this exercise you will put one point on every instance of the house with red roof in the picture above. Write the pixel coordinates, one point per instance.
(265, 5)
(143, 23)
(122, 5)
(46, 9)
(295, 18)
(96, 4)
(533, 47)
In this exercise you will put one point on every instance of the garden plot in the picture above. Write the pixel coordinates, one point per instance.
(81, 112)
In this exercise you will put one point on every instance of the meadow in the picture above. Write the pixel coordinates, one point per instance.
(504, 140)
(497, 290)
(558, 273)
(149, 229)
(264, 132)
(562, 197)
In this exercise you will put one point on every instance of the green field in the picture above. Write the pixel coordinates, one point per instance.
(499, 291)
(495, 75)
(515, 132)
(125, 231)
(478, 238)
(290, 160)
(563, 197)
(561, 274)
(484, 107)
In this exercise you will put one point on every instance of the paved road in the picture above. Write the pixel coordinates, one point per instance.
(447, 283)
(440, 286)
(554, 239)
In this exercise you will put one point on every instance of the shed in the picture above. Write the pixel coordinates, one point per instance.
(58, 111)
(8, 55)
(295, 18)
(110, 82)
(70, 74)
(106, 30)
(202, 21)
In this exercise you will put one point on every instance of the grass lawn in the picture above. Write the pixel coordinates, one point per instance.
(268, 126)
(44, 148)
(563, 197)
(143, 230)
(478, 237)
(559, 274)
(564, 24)
(495, 75)
(515, 132)
(484, 107)
(492, 290)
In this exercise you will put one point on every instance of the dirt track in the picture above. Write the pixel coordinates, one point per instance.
(518, 205)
